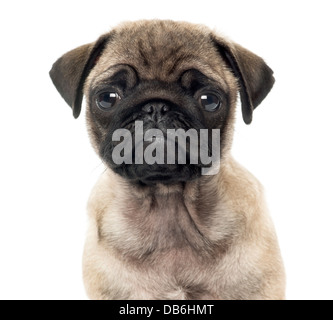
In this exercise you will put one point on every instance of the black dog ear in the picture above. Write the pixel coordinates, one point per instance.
(70, 71)
(255, 77)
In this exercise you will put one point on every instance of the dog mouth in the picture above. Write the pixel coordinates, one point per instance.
(157, 158)
(157, 152)
(153, 174)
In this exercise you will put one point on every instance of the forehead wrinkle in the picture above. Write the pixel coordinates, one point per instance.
(107, 75)
(142, 73)
(167, 70)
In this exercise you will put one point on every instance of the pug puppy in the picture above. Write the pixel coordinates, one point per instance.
(179, 228)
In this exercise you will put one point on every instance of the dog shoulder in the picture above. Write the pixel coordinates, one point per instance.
(102, 195)
(240, 185)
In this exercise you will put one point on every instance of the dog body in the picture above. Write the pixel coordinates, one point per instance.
(167, 231)
(211, 239)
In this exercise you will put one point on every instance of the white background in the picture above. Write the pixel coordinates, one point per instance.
(48, 166)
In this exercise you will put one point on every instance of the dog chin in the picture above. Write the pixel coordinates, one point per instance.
(153, 174)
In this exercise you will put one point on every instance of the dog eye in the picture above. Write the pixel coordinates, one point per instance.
(210, 102)
(107, 100)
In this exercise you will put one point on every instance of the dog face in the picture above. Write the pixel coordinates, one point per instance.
(127, 99)
(156, 79)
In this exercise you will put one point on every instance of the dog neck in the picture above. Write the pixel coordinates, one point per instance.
(162, 218)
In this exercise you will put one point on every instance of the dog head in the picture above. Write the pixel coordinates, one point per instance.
(152, 78)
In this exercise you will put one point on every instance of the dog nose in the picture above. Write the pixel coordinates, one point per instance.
(156, 110)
